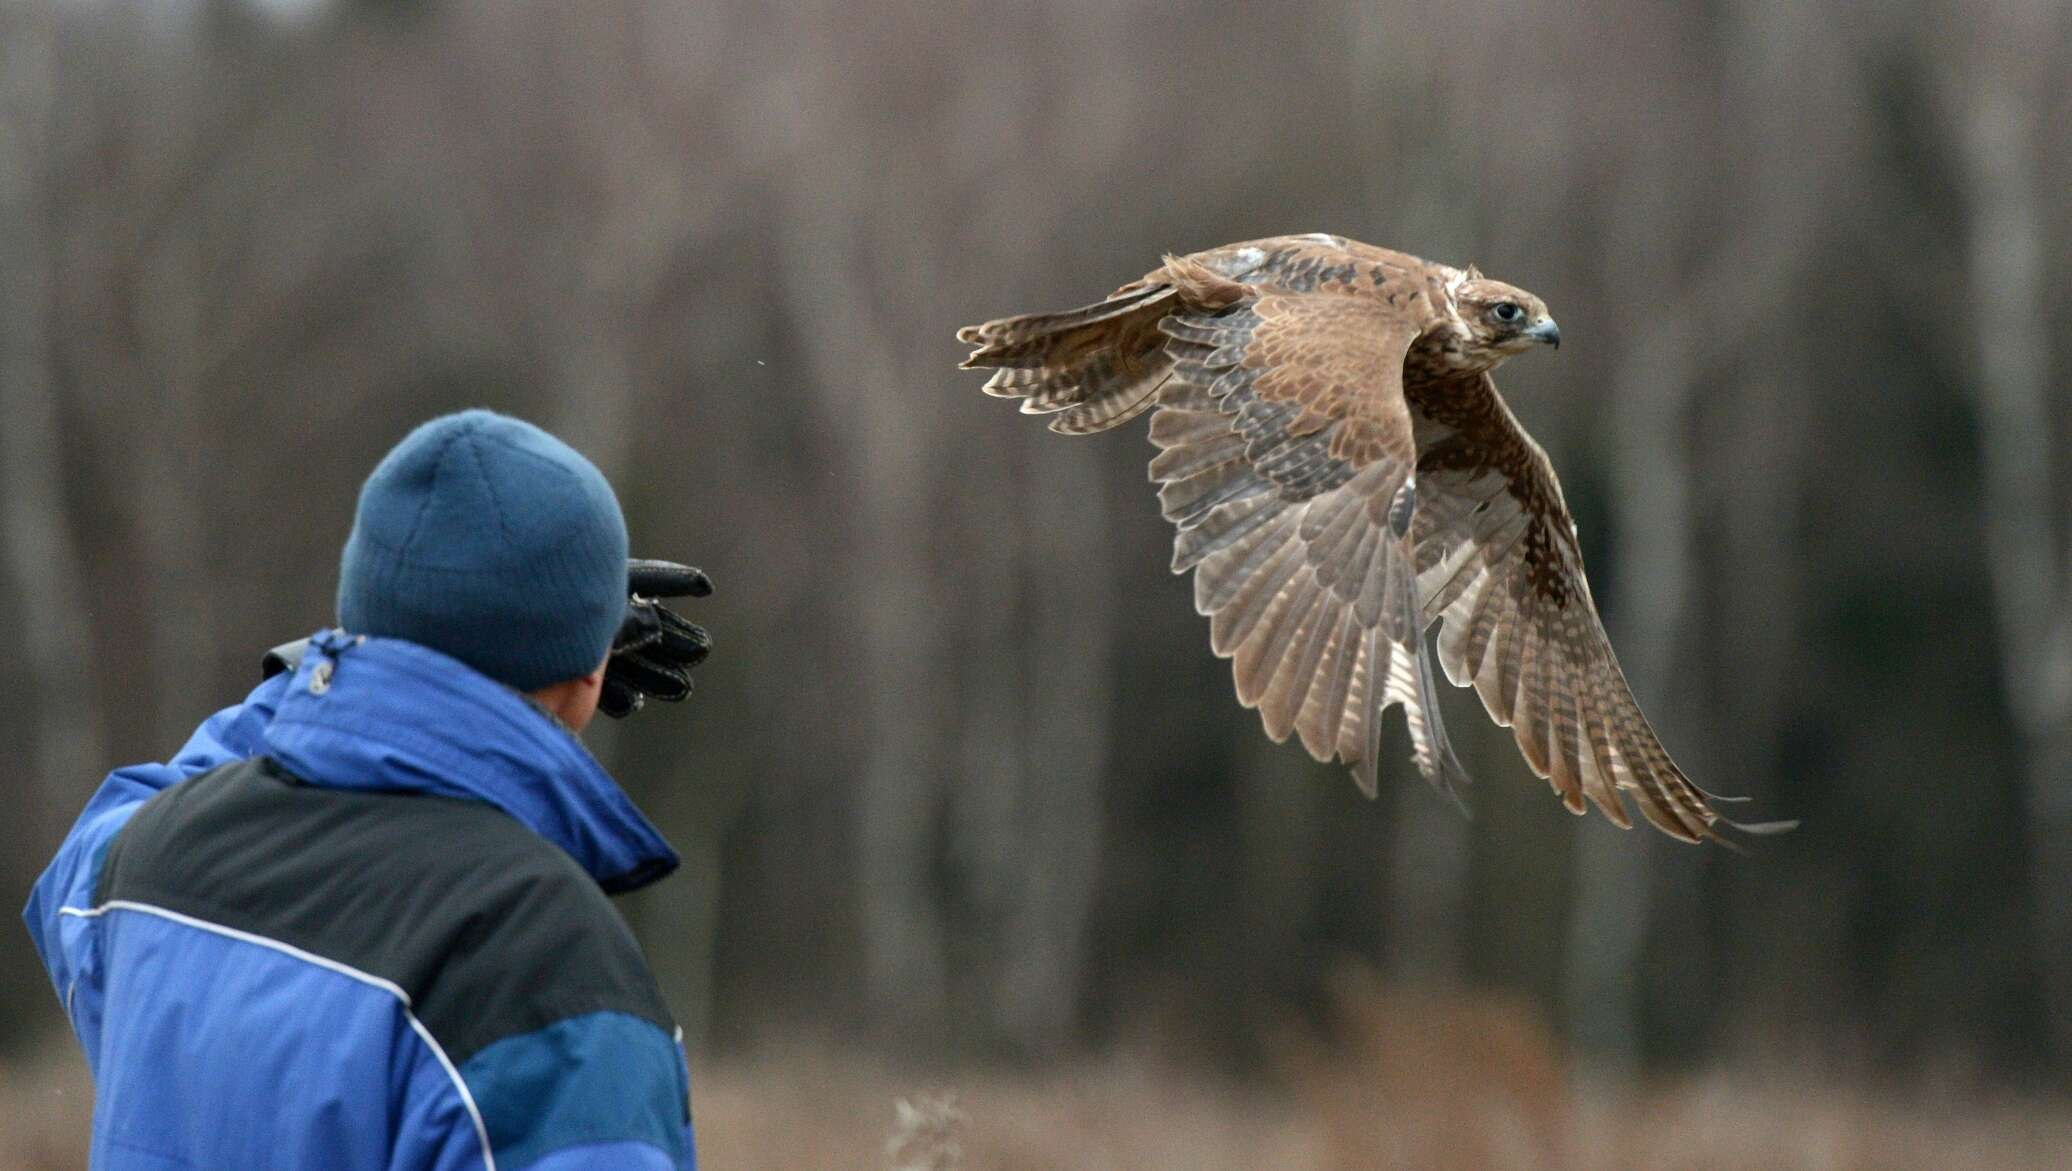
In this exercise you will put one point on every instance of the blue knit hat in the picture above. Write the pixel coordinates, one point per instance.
(487, 539)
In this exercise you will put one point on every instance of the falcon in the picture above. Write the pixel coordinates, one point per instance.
(1343, 476)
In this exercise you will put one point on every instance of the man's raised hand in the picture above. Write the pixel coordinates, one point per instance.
(655, 650)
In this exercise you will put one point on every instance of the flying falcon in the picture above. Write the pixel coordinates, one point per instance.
(1343, 474)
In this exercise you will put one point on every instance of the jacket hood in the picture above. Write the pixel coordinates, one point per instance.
(383, 714)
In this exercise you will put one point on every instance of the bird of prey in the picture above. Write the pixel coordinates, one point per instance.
(1343, 475)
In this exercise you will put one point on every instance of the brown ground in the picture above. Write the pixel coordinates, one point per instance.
(1426, 1082)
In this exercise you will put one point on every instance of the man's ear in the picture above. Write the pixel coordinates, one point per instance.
(574, 701)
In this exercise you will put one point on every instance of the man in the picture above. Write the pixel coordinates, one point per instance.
(360, 921)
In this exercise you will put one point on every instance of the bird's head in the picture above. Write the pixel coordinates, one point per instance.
(1502, 319)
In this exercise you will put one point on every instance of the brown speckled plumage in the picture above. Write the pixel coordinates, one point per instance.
(1342, 474)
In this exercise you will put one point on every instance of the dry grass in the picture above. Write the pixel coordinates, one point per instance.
(815, 1111)
(46, 1106)
(1411, 1080)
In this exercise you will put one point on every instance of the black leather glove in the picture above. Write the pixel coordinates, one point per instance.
(655, 650)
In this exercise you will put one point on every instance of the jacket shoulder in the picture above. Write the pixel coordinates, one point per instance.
(489, 929)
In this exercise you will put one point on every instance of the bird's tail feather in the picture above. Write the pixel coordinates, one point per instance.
(1091, 368)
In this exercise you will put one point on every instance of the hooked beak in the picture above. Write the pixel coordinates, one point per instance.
(1544, 330)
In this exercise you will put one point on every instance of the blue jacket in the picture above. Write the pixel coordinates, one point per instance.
(361, 921)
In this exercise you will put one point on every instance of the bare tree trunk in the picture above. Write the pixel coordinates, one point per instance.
(1651, 515)
(895, 660)
(906, 963)
(1427, 907)
(1068, 573)
(2027, 560)
(41, 557)
(1653, 508)
(173, 524)
(1752, 261)
(170, 295)
(993, 769)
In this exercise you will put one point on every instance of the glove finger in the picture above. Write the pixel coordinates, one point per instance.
(617, 699)
(640, 627)
(683, 643)
(666, 579)
(654, 679)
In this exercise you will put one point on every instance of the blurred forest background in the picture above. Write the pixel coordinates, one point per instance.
(963, 795)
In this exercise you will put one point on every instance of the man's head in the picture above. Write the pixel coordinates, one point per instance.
(489, 540)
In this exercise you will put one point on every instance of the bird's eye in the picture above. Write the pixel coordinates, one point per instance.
(1508, 311)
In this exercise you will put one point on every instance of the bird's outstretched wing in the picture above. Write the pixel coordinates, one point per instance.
(1332, 511)
(1286, 462)
(1499, 565)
